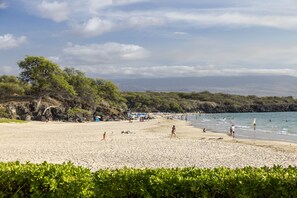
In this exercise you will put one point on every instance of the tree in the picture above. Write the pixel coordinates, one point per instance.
(11, 85)
(45, 77)
(84, 87)
(108, 91)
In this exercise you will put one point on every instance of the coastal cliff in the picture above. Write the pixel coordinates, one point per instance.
(207, 102)
(50, 109)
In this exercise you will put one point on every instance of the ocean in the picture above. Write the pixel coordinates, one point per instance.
(280, 126)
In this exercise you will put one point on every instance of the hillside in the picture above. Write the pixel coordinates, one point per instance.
(241, 85)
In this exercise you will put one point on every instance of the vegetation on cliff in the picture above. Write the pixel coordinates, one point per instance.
(44, 91)
(207, 102)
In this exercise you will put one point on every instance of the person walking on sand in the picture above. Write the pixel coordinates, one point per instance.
(104, 136)
(173, 133)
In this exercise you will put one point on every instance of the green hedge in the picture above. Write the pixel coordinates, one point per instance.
(44, 180)
(67, 180)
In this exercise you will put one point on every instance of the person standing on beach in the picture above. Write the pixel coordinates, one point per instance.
(173, 131)
(254, 124)
(104, 136)
(232, 130)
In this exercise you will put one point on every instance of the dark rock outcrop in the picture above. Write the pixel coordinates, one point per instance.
(49, 109)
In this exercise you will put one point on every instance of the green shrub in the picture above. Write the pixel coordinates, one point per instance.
(3, 113)
(67, 180)
(194, 182)
(44, 180)
(78, 111)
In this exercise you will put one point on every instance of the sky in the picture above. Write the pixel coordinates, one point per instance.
(152, 38)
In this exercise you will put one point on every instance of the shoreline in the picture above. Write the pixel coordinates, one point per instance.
(272, 127)
(210, 135)
(147, 145)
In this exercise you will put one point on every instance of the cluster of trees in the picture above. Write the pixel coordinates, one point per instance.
(40, 77)
(206, 102)
(11, 85)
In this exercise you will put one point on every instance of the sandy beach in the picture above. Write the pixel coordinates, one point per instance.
(147, 145)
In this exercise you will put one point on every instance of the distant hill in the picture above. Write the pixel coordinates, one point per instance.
(242, 85)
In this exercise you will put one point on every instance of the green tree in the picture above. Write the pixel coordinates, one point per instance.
(108, 91)
(11, 85)
(84, 87)
(45, 77)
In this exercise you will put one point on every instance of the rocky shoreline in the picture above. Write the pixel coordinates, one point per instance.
(50, 109)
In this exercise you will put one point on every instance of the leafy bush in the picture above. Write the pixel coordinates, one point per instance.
(3, 113)
(11, 85)
(194, 182)
(44, 180)
(67, 180)
(78, 111)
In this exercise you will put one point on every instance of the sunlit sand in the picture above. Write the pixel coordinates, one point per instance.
(148, 144)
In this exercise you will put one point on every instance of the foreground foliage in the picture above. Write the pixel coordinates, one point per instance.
(66, 180)
(44, 180)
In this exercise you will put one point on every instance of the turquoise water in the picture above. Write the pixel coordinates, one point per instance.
(281, 126)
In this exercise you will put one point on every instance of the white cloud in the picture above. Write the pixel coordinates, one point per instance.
(140, 21)
(93, 6)
(61, 10)
(105, 53)
(3, 5)
(202, 57)
(92, 18)
(93, 27)
(57, 11)
(180, 33)
(54, 58)
(8, 41)
(96, 26)
(181, 71)
(234, 19)
(125, 1)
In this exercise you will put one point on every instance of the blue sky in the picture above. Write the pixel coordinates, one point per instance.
(152, 38)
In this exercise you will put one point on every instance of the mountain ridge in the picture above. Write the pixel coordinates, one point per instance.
(241, 85)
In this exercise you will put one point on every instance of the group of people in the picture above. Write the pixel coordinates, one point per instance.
(173, 131)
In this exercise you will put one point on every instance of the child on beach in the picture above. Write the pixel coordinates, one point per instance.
(104, 136)
(173, 131)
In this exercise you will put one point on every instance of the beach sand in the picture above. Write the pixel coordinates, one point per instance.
(148, 145)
